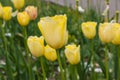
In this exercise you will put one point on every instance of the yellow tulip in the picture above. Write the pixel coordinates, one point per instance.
(23, 18)
(116, 39)
(54, 30)
(1, 11)
(50, 53)
(18, 4)
(7, 13)
(106, 32)
(32, 11)
(89, 29)
(72, 53)
(36, 45)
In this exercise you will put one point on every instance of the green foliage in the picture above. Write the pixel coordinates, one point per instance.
(17, 57)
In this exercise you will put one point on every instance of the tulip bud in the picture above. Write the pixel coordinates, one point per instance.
(23, 18)
(1, 11)
(18, 4)
(54, 30)
(89, 29)
(7, 13)
(72, 53)
(50, 53)
(116, 39)
(36, 45)
(106, 32)
(32, 12)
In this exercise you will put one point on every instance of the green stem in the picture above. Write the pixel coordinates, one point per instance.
(13, 50)
(23, 60)
(65, 65)
(60, 64)
(118, 63)
(108, 15)
(76, 73)
(77, 4)
(107, 3)
(8, 67)
(106, 63)
(117, 16)
(27, 51)
(37, 73)
(92, 60)
(119, 67)
(34, 27)
(115, 50)
(52, 69)
(42, 65)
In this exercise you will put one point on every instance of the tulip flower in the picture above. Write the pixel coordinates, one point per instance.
(7, 13)
(23, 18)
(116, 39)
(18, 4)
(50, 53)
(1, 11)
(89, 29)
(32, 12)
(36, 45)
(106, 32)
(72, 52)
(54, 30)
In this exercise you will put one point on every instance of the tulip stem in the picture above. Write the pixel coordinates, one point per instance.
(65, 65)
(60, 64)
(77, 5)
(107, 17)
(52, 69)
(106, 63)
(117, 16)
(27, 51)
(8, 67)
(119, 67)
(76, 73)
(118, 62)
(42, 65)
(74, 70)
(92, 60)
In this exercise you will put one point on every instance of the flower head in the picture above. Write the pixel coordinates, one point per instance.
(72, 53)
(116, 39)
(54, 30)
(18, 4)
(32, 12)
(36, 45)
(7, 13)
(89, 29)
(50, 53)
(23, 18)
(106, 32)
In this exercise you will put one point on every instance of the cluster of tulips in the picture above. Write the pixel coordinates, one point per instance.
(24, 18)
(53, 29)
(30, 12)
(55, 34)
(108, 32)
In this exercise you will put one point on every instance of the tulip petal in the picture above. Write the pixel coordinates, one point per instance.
(54, 30)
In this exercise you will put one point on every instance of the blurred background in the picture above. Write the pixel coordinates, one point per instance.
(99, 5)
